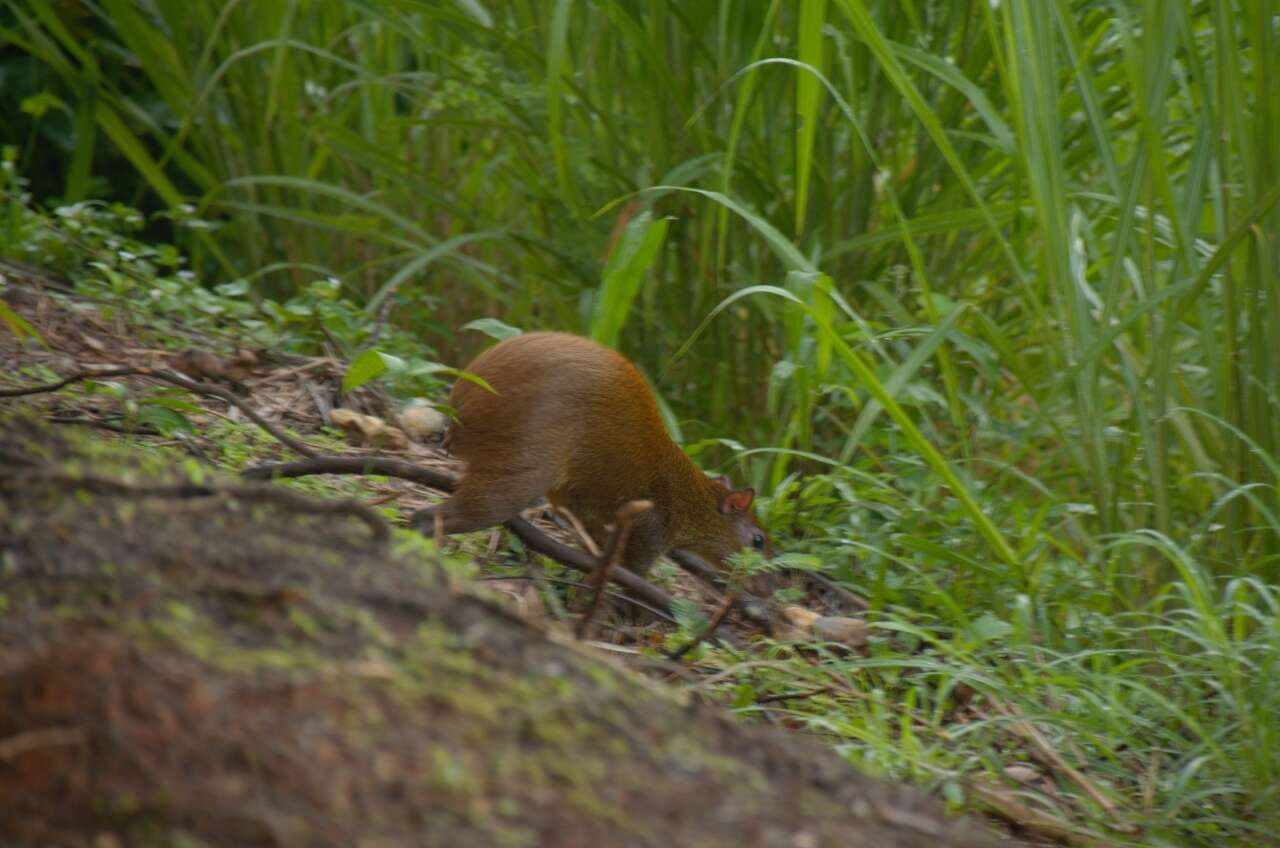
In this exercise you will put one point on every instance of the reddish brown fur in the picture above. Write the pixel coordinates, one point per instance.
(576, 422)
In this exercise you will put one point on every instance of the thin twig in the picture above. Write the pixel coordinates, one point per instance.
(792, 696)
(623, 521)
(752, 609)
(379, 465)
(102, 424)
(66, 381)
(1050, 756)
(693, 564)
(176, 379)
(1003, 804)
(726, 604)
(587, 542)
(578, 584)
(286, 373)
(226, 395)
(45, 737)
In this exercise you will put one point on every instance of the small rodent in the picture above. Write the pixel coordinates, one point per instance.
(574, 421)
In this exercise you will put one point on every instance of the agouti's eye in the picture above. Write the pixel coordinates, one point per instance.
(757, 541)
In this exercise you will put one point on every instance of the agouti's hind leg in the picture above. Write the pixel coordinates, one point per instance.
(481, 502)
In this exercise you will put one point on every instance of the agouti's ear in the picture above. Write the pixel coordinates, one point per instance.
(723, 480)
(739, 501)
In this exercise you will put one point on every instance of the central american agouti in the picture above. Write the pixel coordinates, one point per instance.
(574, 421)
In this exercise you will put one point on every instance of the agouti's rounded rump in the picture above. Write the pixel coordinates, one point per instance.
(575, 421)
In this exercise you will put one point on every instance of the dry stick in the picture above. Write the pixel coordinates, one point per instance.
(1021, 727)
(534, 538)
(66, 381)
(45, 737)
(103, 424)
(177, 380)
(219, 392)
(792, 696)
(587, 542)
(730, 598)
(1004, 805)
(762, 615)
(699, 568)
(578, 584)
(624, 520)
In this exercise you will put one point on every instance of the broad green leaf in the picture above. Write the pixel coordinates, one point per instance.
(493, 328)
(369, 365)
(634, 254)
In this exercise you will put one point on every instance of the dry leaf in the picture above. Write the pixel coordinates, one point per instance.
(368, 431)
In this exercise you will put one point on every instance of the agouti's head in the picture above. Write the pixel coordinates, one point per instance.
(738, 526)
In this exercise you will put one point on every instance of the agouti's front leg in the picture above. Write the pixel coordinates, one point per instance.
(645, 544)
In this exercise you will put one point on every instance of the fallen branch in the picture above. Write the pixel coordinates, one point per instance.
(226, 395)
(34, 740)
(103, 424)
(758, 611)
(1047, 754)
(1003, 804)
(66, 381)
(583, 536)
(792, 696)
(533, 538)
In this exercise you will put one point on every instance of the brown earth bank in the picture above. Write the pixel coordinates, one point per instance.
(190, 661)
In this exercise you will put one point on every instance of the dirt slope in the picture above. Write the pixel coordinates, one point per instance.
(179, 666)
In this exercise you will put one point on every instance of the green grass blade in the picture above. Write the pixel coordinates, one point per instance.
(632, 258)
(813, 14)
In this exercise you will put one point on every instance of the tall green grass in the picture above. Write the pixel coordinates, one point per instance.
(993, 288)
(1098, 183)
